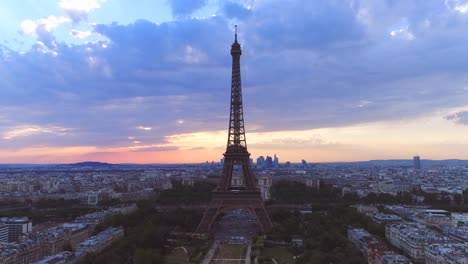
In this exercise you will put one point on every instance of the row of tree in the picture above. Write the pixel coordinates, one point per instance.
(325, 230)
(180, 194)
(324, 233)
(291, 192)
(299, 193)
(146, 233)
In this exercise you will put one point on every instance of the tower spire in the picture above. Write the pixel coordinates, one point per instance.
(235, 33)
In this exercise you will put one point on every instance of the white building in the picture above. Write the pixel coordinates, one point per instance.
(447, 253)
(460, 218)
(392, 258)
(412, 238)
(100, 241)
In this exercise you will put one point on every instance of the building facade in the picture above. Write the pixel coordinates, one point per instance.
(3, 233)
(102, 240)
(17, 227)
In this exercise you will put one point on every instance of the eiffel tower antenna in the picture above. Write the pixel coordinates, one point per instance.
(235, 33)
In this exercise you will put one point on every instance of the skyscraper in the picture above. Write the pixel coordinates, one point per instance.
(275, 162)
(268, 162)
(260, 161)
(416, 163)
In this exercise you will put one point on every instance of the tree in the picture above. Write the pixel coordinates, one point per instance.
(146, 256)
(67, 247)
(458, 199)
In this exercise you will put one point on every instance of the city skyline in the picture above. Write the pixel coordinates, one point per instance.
(382, 80)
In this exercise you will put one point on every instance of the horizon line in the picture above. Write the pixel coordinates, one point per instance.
(204, 162)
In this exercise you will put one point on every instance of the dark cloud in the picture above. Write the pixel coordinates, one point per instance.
(45, 37)
(236, 10)
(303, 25)
(185, 7)
(459, 118)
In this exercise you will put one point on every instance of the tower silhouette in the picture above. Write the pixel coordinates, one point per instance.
(225, 196)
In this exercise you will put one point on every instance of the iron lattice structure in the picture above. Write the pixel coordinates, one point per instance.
(224, 196)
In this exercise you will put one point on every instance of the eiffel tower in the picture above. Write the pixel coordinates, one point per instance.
(225, 196)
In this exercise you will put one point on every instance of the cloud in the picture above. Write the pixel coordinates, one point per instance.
(402, 33)
(236, 10)
(43, 29)
(193, 56)
(156, 148)
(460, 6)
(459, 118)
(302, 25)
(181, 8)
(78, 10)
(81, 34)
(144, 128)
(29, 130)
(29, 26)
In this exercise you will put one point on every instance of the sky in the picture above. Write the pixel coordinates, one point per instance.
(148, 81)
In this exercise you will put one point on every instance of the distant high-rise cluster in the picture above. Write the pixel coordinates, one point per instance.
(268, 162)
(417, 163)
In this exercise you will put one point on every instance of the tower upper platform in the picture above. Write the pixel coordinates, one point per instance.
(235, 47)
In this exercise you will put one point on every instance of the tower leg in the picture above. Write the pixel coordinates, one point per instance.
(230, 201)
(208, 218)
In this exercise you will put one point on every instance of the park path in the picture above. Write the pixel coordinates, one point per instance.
(210, 253)
(249, 250)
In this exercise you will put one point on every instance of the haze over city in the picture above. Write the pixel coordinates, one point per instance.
(121, 82)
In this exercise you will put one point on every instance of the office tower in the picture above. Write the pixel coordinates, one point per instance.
(260, 161)
(416, 163)
(268, 162)
(275, 161)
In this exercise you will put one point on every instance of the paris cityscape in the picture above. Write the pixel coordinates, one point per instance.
(243, 131)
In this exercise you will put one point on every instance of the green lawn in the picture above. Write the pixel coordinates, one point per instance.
(177, 256)
(231, 251)
(280, 254)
